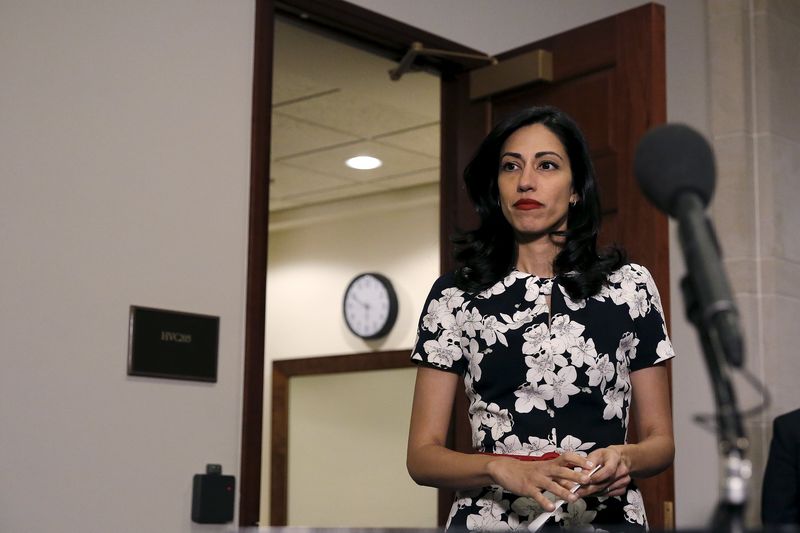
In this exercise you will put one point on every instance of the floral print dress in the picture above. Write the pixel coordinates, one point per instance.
(544, 379)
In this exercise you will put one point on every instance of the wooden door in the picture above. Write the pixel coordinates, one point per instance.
(610, 76)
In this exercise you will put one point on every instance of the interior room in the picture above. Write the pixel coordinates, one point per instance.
(127, 157)
(328, 224)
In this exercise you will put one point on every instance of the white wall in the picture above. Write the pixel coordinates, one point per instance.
(362, 419)
(124, 170)
(756, 135)
(311, 266)
(496, 26)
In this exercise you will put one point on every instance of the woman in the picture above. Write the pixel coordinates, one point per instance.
(553, 341)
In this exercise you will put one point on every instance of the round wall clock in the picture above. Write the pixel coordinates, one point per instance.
(370, 306)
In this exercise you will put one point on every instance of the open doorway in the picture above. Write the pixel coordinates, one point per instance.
(329, 222)
(389, 38)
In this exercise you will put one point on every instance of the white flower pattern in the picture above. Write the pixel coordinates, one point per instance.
(533, 395)
(562, 385)
(634, 510)
(441, 352)
(541, 370)
(575, 516)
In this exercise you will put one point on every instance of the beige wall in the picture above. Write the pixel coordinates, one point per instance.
(311, 262)
(310, 265)
(347, 444)
(756, 135)
(124, 170)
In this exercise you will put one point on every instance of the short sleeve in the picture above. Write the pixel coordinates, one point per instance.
(654, 346)
(438, 343)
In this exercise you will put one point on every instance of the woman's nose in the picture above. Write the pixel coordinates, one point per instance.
(527, 181)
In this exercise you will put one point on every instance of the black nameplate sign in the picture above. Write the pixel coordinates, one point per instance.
(170, 344)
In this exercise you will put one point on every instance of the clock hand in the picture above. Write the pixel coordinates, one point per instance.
(359, 302)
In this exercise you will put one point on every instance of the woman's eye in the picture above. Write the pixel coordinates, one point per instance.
(508, 166)
(548, 165)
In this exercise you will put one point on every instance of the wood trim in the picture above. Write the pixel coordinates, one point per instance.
(334, 364)
(570, 61)
(279, 459)
(253, 388)
(284, 369)
(464, 124)
(644, 95)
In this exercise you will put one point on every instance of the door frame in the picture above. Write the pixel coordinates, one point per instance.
(384, 36)
(282, 372)
(392, 39)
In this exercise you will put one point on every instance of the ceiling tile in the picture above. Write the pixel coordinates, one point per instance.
(291, 136)
(333, 101)
(354, 190)
(423, 140)
(289, 85)
(395, 161)
(394, 183)
(313, 196)
(336, 64)
(287, 181)
(356, 114)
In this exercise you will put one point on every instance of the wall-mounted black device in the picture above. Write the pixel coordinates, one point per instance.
(212, 496)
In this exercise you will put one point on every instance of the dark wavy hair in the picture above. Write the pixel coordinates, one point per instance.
(488, 253)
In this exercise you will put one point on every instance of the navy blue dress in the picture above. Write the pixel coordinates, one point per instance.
(544, 379)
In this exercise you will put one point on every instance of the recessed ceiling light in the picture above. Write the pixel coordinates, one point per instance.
(363, 162)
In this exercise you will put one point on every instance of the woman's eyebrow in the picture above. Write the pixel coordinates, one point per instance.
(537, 155)
(542, 154)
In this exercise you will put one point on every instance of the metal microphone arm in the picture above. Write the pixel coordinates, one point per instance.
(675, 167)
(720, 339)
(712, 293)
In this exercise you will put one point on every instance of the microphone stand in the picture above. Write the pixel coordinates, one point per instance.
(735, 469)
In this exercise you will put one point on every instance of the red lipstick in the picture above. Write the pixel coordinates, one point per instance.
(527, 204)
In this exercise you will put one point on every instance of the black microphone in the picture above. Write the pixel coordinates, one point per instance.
(674, 166)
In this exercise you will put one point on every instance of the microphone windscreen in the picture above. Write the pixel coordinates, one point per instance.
(673, 159)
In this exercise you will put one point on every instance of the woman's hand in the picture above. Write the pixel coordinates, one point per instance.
(614, 476)
(533, 478)
(656, 447)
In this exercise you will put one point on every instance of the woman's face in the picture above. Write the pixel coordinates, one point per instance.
(535, 182)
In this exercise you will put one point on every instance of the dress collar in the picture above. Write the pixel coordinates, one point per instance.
(521, 274)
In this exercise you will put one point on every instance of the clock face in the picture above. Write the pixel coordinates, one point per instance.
(370, 306)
